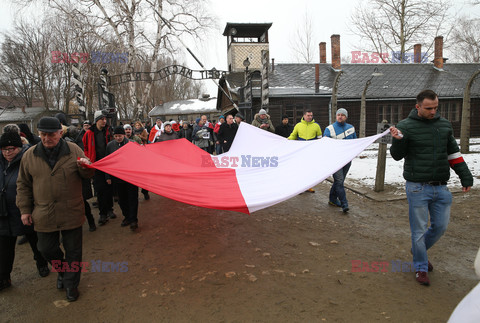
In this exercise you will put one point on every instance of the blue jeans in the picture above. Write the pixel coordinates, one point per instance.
(425, 199)
(338, 190)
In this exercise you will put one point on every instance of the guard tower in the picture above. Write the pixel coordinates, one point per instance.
(246, 41)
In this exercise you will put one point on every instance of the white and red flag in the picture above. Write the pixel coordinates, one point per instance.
(261, 169)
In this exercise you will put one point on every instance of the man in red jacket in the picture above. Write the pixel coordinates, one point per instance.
(95, 143)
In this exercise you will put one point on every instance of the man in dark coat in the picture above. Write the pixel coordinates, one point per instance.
(227, 133)
(127, 193)
(284, 129)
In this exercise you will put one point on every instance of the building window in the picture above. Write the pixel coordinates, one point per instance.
(450, 111)
(294, 112)
(393, 113)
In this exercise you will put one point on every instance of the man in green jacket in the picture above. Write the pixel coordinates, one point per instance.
(426, 142)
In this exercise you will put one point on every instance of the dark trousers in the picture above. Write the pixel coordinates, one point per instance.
(49, 246)
(104, 193)
(128, 200)
(88, 213)
(7, 253)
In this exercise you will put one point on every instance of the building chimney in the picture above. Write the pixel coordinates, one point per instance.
(317, 78)
(417, 53)
(438, 60)
(273, 64)
(323, 52)
(335, 42)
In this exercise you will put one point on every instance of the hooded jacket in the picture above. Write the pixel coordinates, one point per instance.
(257, 122)
(306, 131)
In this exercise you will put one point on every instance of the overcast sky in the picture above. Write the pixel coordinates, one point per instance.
(328, 17)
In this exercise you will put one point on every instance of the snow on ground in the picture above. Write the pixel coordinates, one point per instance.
(364, 167)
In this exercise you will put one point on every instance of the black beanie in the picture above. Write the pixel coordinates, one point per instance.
(119, 130)
(10, 139)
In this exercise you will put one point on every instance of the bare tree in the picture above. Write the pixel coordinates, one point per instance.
(396, 25)
(302, 44)
(466, 40)
(139, 27)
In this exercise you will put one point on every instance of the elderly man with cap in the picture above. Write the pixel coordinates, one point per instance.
(262, 121)
(340, 129)
(239, 118)
(95, 143)
(127, 193)
(49, 195)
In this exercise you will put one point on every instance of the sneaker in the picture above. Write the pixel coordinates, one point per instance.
(345, 208)
(422, 278)
(310, 190)
(335, 203)
(102, 220)
(134, 226)
(22, 240)
(5, 283)
(111, 215)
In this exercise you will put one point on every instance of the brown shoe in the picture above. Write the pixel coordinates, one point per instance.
(422, 278)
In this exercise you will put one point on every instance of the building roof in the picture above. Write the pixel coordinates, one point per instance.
(398, 80)
(185, 107)
(247, 29)
(15, 115)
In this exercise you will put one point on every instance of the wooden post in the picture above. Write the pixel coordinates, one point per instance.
(382, 159)
(381, 165)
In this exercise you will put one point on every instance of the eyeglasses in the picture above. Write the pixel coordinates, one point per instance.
(8, 150)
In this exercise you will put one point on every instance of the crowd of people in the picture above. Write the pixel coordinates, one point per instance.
(59, 157)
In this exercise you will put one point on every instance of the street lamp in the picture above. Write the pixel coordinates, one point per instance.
(246, 63)
(363, 103)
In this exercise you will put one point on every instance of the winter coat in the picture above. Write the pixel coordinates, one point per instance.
(186, 133)
(167, 136)
(11, 225)
(111, 148)
(52, 196)
(429, 150)
(142, 133)
(89, 143)
(257, 122)
(339, 130)
(284, 130)
(198, 136)
(306, 131)
(226, 134)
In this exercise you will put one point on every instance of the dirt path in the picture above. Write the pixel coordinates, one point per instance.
(289, 263)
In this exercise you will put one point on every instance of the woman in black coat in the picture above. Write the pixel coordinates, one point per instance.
(11, 224)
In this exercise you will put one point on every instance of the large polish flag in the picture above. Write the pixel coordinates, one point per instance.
(261, 169)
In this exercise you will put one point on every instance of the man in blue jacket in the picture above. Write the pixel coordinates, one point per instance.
(426, 142)
(340, 130)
